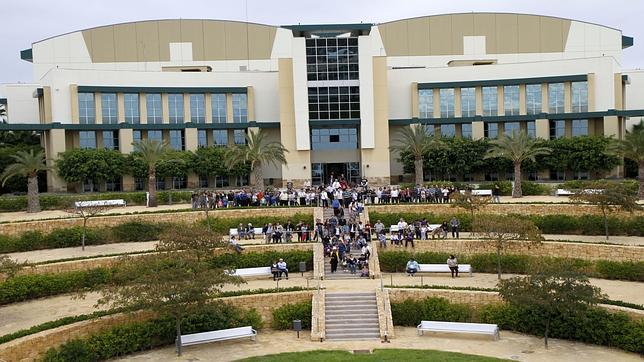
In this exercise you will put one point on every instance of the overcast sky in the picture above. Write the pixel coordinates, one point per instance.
(27, 21)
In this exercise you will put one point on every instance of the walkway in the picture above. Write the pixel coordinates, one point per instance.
(511, 346)
(39, 256)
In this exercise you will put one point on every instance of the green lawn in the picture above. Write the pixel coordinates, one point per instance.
(394, 355)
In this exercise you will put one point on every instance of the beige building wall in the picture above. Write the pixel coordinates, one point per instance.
(375, 161)
(415, 112)
(55, 140)
(542, 128)
(73, 95)
(478, 130)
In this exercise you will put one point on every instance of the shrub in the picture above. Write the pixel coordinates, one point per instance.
(251, 260)
(136, 231)
(624, 270)
(284, 316)
(410, 312)
(224, 225)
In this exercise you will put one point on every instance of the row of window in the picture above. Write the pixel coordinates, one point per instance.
(334, 103)
(91, 185)
(334, 138)
(332, 59)
(154, 108)
(176, 138)
(511, 100)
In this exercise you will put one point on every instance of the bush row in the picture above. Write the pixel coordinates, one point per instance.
(596, 325)
(251, 260)
(548, 224)
(224, 225)
(133, 337)
(284, 316)
(395, 261)
(58, 202)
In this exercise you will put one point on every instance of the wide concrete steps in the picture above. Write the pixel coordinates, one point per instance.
(351, 316)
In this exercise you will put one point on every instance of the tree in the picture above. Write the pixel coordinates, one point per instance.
(469, 202)
(27, 164)
(151, 152)
(415, 141)
(632, 148)
(78, 165)
(174, 282)
(551, 290)
(9, 267)
(587, 153)
(87, 210)
(517, 148)
(608, 197)
(502, 230)
(257, 152)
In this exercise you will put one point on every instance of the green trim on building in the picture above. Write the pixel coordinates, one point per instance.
(119, 89)
(627, 41)
(27, 54)
(502, 82)
(329, 27)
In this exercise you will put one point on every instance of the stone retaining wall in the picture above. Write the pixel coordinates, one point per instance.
(473, 298)
(33, 347)
(318, 316)
(385, 321)
(46, 226)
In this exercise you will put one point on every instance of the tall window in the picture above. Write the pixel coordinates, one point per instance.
(510, 127)
(202, 138)
(240, 108)
(426, 103)
(176, 139)
(466, 130)
(468, 102)
(132, 114)
(430, 130)
(491, 130)
(332, 59)
(448, 130)
(220, 137)
(108, 108)
(334, 138)
(197, 108)
(556, 97)
(155, 136)
(239, 137)
(447, 102)
(579, 127)
(86, 108)
(334, 102)
(579, 96)
(532, 130)
(87, 139)
(490, 101)
(511, 100)
(153, 106)
(557, 129)
(175, 108)
(533, 98)
(111, 140)
(218, 102)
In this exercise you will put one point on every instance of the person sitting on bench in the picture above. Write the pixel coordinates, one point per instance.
(412, 267)
(281, 265)
(275, 270)
(452, 263)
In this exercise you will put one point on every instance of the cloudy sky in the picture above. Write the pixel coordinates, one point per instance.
(27, 21)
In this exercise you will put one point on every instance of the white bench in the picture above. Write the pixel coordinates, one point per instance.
(457, 327)
(214, 336)
(563, 192)
(482, 192)
(443, 268)
(233, 232)
(81, 204)
(251, 272)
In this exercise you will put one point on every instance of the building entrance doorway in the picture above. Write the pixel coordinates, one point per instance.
(321, 173)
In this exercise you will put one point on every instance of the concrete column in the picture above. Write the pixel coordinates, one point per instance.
(611, 126)
(567, 97)
(457, 102)
(478, 130)
(478, 94)
(186, 108)
(73, 95)
(55, 144)
(500, 105)
(229, 108)
(250, 98)
(143, 109)
(619, 96)
(208, 107)
(437, 103)
(47, 104)
(375, 161)
(542, 128)
(191, 139)
(544, 97)
(120, 107)
(125, 140)
(522, 100)
(415, 113)
(568, 127)
(99, 109)
(165, 108)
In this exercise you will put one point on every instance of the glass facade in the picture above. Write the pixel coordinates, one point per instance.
(511, 100)
(556, 98)
(466, 130)
(557, 129)
(220, 137)
(136, 136)
(86, 108)
(87, 139)
(579, 96)
(510, 127)
(532, 130)
(202, 138)
(240, 108)
(155, 136)
(426, 103)
(334, 138)
(176, 140)
(447, 102)
(153, 107)
(132, 112)
(111, 140)
(108, 108)
(218, 102)
(491, 130)
(239, 137)
(448, 130)
(430, 129)
(334, 103)
(490, 101)
(175, 108)
(197, 108)
(332, 59)
(579, 127)
(533, 98)
(468, 102)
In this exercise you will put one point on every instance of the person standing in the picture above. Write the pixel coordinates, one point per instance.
(452, 263)
(496, 194)
(456, 225)
(335, 258)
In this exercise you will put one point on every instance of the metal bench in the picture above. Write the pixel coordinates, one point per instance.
(251, 272)
(443, 268)
(81, 204)
(457, 327)
(214, 336)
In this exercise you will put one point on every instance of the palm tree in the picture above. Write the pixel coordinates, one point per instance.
(632, 147)
(416, 141)
(517, 148)
(27, 164)
(150, 152)
(257, 152)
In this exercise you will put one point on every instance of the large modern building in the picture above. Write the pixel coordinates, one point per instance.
(333, 94)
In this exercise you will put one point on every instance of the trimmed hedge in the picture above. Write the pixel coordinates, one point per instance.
(596, 325)
(252, 260)
(223, 225)
(528, 188)
(395, 261)
(284, 316)
(133, 337)
(548, 224)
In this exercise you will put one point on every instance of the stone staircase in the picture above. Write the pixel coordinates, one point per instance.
(351, 316)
